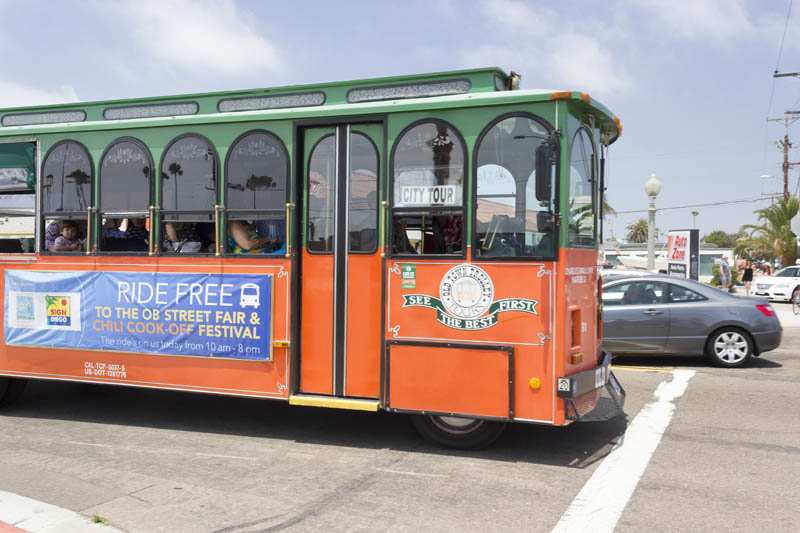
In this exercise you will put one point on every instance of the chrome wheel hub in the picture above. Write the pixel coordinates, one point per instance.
(731, 347)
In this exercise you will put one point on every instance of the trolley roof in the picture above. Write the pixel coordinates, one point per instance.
(451, 89)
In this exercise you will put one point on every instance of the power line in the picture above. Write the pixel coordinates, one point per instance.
(709, 204)
(783, 37)
(772, 90)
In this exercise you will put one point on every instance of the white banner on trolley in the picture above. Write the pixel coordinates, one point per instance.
(425, 195)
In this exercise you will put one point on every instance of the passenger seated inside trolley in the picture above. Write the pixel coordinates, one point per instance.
(124, 235)
(259, 237)
(67, 238)
(186, 238)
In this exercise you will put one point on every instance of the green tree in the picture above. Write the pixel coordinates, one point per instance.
(773, 237)
(723, 239)
(637, 231)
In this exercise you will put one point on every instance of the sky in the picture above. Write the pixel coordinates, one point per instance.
(690, 79)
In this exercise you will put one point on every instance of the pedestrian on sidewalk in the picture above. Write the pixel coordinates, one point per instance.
(747, 276)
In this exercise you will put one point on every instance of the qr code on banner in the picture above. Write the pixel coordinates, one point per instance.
(24, 307)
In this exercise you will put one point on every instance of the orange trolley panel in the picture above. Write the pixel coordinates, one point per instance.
(441, 379)
(316, 324)
(363, 357)
(530, 332)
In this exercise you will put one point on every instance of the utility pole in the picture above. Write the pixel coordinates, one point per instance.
(785, 144)
(789, 117)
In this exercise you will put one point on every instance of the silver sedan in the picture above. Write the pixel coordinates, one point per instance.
(662, 315)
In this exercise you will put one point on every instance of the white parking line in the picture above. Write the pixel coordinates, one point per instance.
(600, 503)
(407, 473)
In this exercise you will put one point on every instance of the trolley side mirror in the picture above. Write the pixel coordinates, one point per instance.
(544, 165)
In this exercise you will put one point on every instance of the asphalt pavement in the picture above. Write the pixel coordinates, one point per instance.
(728, 459)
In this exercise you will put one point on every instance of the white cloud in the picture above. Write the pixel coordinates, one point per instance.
(199, 37)
(699, 19)
(18, 95)
(548, 48)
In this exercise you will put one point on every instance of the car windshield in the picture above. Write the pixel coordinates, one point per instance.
(786, 273)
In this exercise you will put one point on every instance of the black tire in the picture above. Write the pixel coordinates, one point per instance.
(10, 390)
(457, 432)
(729, 347)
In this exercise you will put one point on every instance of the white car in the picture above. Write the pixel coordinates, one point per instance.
(782, 286)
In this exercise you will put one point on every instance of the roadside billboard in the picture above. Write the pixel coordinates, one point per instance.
(683, 253)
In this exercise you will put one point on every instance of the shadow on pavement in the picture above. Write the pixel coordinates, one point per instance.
(688, 361)
(576, 446)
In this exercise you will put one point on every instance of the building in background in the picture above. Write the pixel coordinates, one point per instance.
(634, 256)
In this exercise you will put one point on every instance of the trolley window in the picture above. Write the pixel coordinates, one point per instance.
(363, 200)
(256, 173)
(17, 201)
(125, 174)
(17, 222)
(188, 195)
(321, 196)
(66, 197)
(582, 201)
(428, 190)
(514, 215)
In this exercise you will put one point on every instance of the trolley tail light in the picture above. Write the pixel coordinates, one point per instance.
(766, 309)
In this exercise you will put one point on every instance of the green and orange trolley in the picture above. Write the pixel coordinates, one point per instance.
(421, 244)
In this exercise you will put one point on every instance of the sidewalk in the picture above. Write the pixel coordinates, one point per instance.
(20, 514)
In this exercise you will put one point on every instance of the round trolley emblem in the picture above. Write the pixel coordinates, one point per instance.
(466, 300)
(466, 291)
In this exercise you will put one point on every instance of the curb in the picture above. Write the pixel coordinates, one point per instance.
(19, 514)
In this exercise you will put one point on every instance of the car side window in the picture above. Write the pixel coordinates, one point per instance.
(634, 293)
(678, 294)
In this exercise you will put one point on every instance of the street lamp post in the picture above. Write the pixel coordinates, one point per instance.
(652, 187)
(694, 219)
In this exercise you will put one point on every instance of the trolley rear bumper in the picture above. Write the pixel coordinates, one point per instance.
(592, 395)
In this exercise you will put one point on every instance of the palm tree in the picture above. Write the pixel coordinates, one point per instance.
(637, 231)
(80, 178)
(176, 170)
(260, 183)
(773, 237)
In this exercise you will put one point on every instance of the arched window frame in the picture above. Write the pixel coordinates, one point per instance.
(374, 248)
(151, 186)
(556, 188)
(433, 210)
(310, 245)
(166, 215)
(231, 213)
(80, 216)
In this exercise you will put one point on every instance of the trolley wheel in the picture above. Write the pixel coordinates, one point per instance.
(458, 432)
(729, 347)
(10, 390)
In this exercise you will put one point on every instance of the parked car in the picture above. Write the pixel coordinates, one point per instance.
(615, 274)
(663, 315)
(783, 286)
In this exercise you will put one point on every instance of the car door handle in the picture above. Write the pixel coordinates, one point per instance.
(653, 312)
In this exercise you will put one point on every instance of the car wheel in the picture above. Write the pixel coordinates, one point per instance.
(795, 295)
(458, 432)
(10, 390)
(729, 347)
